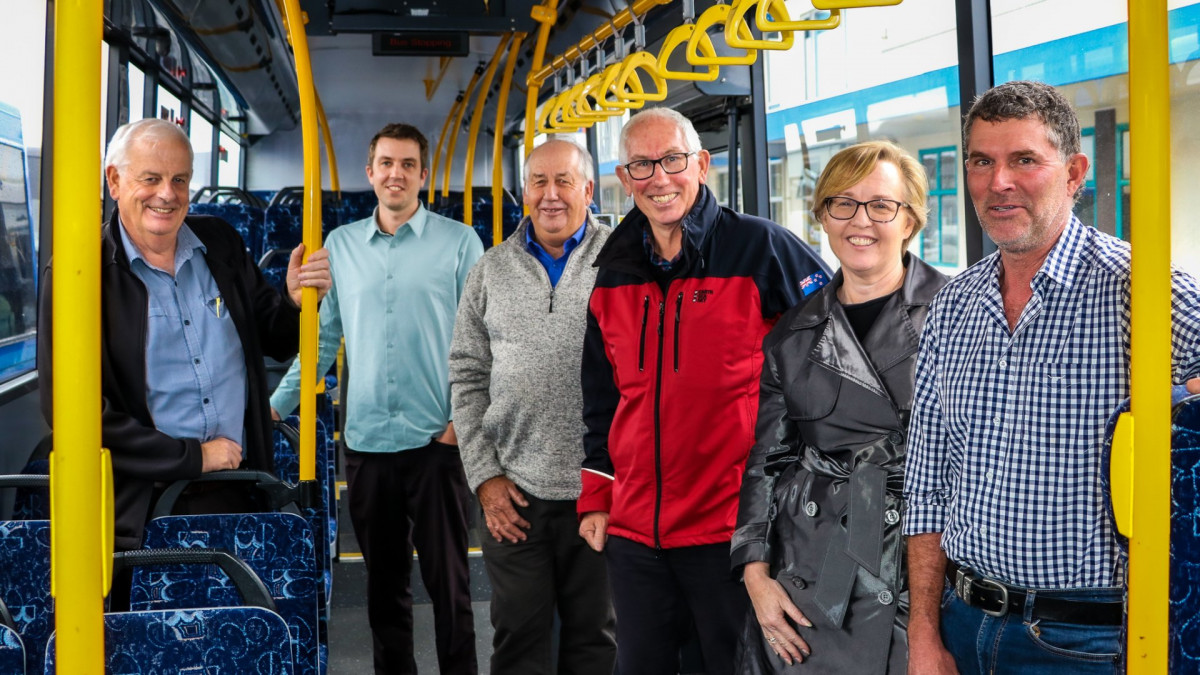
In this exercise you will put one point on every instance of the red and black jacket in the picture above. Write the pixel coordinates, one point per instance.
(671, 370)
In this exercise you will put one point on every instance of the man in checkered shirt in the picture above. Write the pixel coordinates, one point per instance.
(1023, 358)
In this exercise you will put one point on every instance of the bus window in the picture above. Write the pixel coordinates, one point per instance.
(17, 260)
(201, 133)
(229, 171)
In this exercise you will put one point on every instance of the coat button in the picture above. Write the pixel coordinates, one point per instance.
(811, 509)
(885, 597)
(895, 438)
(799, 583)
(891, 516)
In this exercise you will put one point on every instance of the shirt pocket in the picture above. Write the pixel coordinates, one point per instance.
(1057, 397)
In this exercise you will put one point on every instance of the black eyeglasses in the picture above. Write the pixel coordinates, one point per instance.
(878, 210)
(672, 163)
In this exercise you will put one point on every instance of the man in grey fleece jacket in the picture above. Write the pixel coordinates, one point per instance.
(514, 385)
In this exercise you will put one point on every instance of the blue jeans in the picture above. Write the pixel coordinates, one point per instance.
(1016, 643)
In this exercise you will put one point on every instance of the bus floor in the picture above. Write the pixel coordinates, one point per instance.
(350, 634)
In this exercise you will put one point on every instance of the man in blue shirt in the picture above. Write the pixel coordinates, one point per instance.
(1023, 358)
(186, 320)
(398, 277)
(514, 377)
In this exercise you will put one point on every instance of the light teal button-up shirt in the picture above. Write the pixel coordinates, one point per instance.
(394, 299)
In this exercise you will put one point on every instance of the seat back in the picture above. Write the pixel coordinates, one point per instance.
(12, 651)
(25, 584)
(1185, 537)
(243, 640)
(247, 219)
(278, 547)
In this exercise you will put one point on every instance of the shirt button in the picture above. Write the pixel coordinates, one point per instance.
(891, 516)
(799, 583)
(996, 419)
(196, 360)
(186, 322)
(391, 380)
(205, 401)
(886, 597)
(811, 509)
(1002, 363)
(389, 276)
(983, 529)
(989, 474)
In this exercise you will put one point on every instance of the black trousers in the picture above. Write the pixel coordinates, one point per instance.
(398, 500)
(553, 568)
(658, 592)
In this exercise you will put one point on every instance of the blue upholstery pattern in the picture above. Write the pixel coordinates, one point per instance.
(1184, 656)
(12, 652)
(246, 219)
(33, 503)
(358, 205)
(25, 584)
(277, 546)
(481, 217)
(242, 640)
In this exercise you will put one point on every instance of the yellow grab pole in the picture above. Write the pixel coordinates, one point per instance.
(77, 555)
(476, 119)
(1150, 358)
(546, 14)
(312, 240)
(454, 129)
(330, 155)
(498, 141)
(433, 169)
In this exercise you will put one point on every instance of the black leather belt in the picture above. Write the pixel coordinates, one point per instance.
(997, 599)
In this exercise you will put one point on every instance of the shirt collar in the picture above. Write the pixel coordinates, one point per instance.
(186, 244)
(569, 245)
(416, 223)
(1063, 259)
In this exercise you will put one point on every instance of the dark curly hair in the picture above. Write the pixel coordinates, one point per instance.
(1024, 99)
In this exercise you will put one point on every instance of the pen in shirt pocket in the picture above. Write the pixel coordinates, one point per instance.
(215, 305)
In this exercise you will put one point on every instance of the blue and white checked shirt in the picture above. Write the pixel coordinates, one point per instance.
(1005, 443)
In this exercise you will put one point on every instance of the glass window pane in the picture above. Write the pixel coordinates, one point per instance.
(137, 93)
(950, 232)
(948, 179)
(169, 107)
(1087, 145)
(201, 134)
(229, 168)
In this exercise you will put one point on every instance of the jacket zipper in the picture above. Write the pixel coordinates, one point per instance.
(642, 335)
(551, 300)
(678, 311)
(662, 310)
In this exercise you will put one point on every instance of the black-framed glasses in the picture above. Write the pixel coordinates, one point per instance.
(672, 163)
(878, 210)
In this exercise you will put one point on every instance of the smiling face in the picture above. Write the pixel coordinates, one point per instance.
(664, 198)
(556, 193)
(1022, 188)
(397, 175)
(151, 189)
(866, 249)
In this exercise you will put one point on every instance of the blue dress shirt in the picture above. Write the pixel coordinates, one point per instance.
(554, 266)
(394, 298)
(195, 368)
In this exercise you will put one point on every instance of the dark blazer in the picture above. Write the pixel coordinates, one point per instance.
(821, 499)
(267, 323)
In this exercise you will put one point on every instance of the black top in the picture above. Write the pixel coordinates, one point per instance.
(862, 316)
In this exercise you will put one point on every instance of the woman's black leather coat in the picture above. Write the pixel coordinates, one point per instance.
(821, 499)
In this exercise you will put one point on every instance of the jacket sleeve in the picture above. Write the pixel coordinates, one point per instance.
(600, 396)
(471, 381)
(795, 273)
(137, 450)
(777, 440)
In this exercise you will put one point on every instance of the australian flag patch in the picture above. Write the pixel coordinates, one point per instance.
(812, 283)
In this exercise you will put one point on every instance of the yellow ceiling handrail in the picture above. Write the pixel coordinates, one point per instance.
(514, 50)
(767, 24)
(543, 117)
(558, 119)
(682, 35)
(455, 129)
(437, 153)
(631, 68)
(717, 15)
(473, 131)
(736, 28)
(852, 4)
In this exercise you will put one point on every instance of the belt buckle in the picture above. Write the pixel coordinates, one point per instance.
(1003, 597)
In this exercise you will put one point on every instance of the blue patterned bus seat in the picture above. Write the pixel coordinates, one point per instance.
(25, 584)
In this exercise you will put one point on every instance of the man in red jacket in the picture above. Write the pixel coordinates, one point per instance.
(685, 293)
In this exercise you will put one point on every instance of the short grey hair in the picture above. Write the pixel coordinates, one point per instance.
(582, 155)
(153, 130)
(1024, 99)
(691, 138)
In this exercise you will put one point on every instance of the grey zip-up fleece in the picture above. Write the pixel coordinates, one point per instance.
(514, 366)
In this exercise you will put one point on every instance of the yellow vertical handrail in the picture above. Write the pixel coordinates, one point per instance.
(77, 555)
(476, 120)
(1150, 358)
(330, 155)
(437, 153)
(498, 140)
(312, 239)
(454, 129)
(546, 14)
